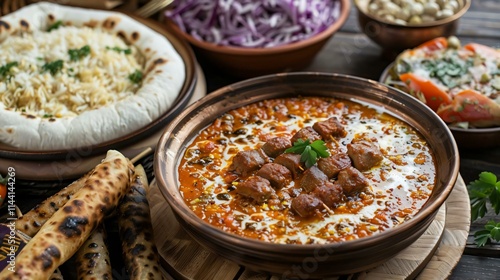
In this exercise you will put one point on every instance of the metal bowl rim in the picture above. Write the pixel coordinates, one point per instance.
(454, 17)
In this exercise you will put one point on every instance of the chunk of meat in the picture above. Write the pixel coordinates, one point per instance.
(244, 162)
(330, 128)
(312, 178)
(277, 174)
(306, 133)
(292, 162)
(276, 146)
(332, 165)
(364, 154)
(329, 193)
(352, 180)
(257, 188)
(306, 205)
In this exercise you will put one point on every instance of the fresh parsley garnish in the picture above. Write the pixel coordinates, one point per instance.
(55, 25)
(118, 49)
(135, 77)
(491, 231)
(47, 116)
(309, 152)
(53, 67)
(77, 54)
(481, 191)
(485, 189)
(5, 69)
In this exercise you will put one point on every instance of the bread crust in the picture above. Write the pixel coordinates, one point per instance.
(65, 232)
(136, 231)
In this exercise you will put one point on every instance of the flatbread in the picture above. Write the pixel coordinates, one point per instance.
(65, 232)
(163, 79)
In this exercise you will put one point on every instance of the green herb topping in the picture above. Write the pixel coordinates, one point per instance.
(491, 231)
(309, 152)
(77, 54)
(482, 190)
(448, 69)
(5, 69)
(487, 188)
(55, 25)
(47, 116)
(118, 49)
(135, 77)
(53, 67)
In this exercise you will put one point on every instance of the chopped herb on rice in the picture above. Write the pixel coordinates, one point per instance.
(67, 71)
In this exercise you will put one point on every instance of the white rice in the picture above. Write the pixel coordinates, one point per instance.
(96, 80)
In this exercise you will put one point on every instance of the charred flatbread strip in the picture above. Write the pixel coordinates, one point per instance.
(65, 232)
(92, 259)
(32, 221)
(136, 231)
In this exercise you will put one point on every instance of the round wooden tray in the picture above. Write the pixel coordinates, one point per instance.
(432, 256)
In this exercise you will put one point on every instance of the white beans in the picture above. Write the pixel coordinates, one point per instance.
(413, 12)
(431, 8)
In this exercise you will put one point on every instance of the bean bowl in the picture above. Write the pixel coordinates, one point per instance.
(395, 37)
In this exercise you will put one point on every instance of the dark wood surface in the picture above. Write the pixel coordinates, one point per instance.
(351, 52)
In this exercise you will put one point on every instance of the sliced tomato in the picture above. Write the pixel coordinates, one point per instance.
(438, 43)
(483, 50)
(434, 95)
(473, 107)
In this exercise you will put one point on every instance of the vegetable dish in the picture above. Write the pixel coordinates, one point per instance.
(249, 24)
(460, 83)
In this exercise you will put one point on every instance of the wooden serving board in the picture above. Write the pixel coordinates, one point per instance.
(432, 256)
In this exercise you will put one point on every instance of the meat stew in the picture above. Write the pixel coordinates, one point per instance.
(232, 174)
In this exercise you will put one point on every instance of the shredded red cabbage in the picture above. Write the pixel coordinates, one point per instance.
(253, 23)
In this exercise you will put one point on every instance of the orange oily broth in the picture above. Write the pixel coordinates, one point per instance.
(399, 186)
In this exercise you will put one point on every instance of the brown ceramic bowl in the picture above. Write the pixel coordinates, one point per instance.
(330, 259)
(71, 163)
(469, 138)
(394, 38)
(251, 62)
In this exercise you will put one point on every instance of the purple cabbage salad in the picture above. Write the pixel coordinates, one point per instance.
(253, 23)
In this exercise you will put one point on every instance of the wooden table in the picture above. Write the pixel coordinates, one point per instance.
(351, 52)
